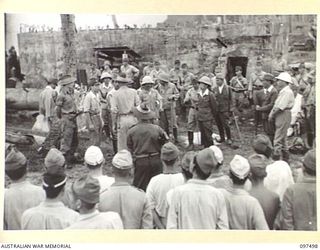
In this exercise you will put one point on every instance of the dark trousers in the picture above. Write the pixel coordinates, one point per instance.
(269, 128)
(206, 132)
(145, 169)
(222, 120)
(310, 118)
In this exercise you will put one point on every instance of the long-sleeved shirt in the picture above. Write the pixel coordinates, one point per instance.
(197, 205)
(158, 188)
(130, 203)
(48, 215)
(15, 202)
(244, 211)
(124, 100)
(46, 102)
(299, 206)
(97, 220)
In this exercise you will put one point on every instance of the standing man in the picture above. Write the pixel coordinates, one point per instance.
(299, 205)
(67, 112)
(170, 95)
(224, 102)
(94, 72)
(280, 115)
(175, 73)
(148, 69)
(47, 100)
(131, 72)
(106, 68)
(122, 104)
(150, 96)
(105, 88)
(239, 87)
(129, 202)
(51, 213)
(255, 80)
(156, 71)
(196, 204)
(192, 98)
(92, 109)
(270, 97)
(87, 191)
(207, 111)
(144, 142)
(279, 64)
(21, 194)
(185, 84)
(302, 78)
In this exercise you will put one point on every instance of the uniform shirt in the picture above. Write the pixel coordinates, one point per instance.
(279, 65)
(145, 138)
(192, 95)
(155, 73)
(238, 83)
(48, 215)
(279, 177)
(299, 206)
(256, 79)
(130, 203)
(244, 211)
(15, 202)
(124, 100)
(207, 105)
(158, 188)
(46, 101)
(91, 103)
(175, 75)
(97, 220)
(152, 98)
(110, 96)
(167, 91)
(129, 70)
(103, 95)
(269, 201)
(147, 70)
(285, 99)
(94, 73)
(186, 80)
(66, 102)
(310, 96)
(196, 205)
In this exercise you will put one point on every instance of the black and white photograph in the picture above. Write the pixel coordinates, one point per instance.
(159, 122)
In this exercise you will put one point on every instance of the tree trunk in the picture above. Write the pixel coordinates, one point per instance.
(22, 99)
(69, 43)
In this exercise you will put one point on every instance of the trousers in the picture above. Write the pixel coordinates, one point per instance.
(192, 120)
(168, 120)
(206, 131)
(282, 123)
(95, 133)
(69, 140)
(222, 119)
(124, 123)
(145, 169)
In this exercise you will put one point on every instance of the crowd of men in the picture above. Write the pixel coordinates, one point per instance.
(152, 186)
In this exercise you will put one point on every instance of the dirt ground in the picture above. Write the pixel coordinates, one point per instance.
(36, 163)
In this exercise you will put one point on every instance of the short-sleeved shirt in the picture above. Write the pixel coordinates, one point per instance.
(197, 205)
(46, 101)
(124, 100)
(66, 102)
(186, 80)
(95, 73)
(103, 95)
(152, 98)
(48, 215)
(130, 203)
(158, 188)
(256, 79)
(155, 73)
(15, 202)
(91, 103)
(175, 75)
(97, 220)
(166, 92)
(285, 99)
(192, 95)
(129, 70)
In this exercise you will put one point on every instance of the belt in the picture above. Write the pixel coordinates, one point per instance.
(123, 114)
(70, 113)
(238, 91)
(145, 155)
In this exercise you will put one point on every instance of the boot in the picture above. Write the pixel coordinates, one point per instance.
(190, 140)
(115, 146)
(175, 135)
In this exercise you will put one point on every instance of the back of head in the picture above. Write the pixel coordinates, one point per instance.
(258, 165)
(15, 164)
(87, 189)
(309, 162)
(169, 153)
(122, 163)
(239, 169)
(204, 163)
(93, 157)
(262, 145)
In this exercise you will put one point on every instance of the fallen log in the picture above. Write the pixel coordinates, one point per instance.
(22, 98)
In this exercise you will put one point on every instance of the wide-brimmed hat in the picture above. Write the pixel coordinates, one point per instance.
(206, 80)
(105, 75)
(122, 79)
(163, 77)
(268, 77)
(284, 76)
(87, 189)
(143, 113)
(146, 80)
(66, 80)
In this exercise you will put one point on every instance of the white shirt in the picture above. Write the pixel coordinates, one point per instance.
(202, 94)
(48, 215)
(268, 90)
(105, 182)
(221, 88)
(97, 220)
(158, 188)
(15, 202)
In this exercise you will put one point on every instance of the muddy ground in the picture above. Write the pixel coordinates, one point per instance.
(36, 163)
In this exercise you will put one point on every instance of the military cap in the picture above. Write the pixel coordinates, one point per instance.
(206, 80)
(52, 81)
(105, 75)
(217, 153)
(258, 165)
(15, 159)
(122, 78)
(146, 80)
(163, 77)
(93, 156)
(177, 62)
(92, 81)
(87, 189)
(54, 162)
(219, 76)
(238, 68)
(122, 160)
(239, 166)
(143, 112)
(66, 80)
(309, 160)
(206, 160)
(268, 77)
(169, 152)
(262, 144)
